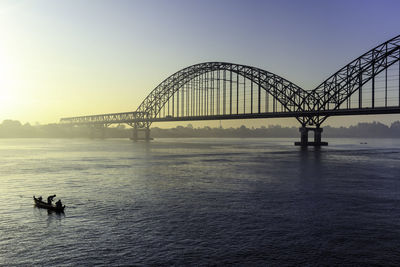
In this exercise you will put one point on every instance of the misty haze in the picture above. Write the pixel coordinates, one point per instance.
(199, 133)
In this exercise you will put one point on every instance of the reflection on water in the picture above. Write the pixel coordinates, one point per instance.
(200, 201)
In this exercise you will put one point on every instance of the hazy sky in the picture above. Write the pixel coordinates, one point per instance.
(69, 58)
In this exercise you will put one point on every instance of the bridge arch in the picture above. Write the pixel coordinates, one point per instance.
(218, 90)
(208, 89)
(335, 93)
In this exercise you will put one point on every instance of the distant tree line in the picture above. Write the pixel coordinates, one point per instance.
(14, 129)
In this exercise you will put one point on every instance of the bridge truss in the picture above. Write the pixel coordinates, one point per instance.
(369, 84)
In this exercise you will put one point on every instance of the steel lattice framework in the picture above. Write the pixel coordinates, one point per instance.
(286, 93)
(338, 88)
(369, 84)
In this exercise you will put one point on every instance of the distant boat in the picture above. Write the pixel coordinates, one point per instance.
(44, 205)
(363, 143)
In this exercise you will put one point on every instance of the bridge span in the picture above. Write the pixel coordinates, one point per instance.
(370, 84)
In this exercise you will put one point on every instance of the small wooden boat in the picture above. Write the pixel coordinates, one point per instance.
(41, 204)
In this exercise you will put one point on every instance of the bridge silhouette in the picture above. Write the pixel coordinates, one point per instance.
(370, 84)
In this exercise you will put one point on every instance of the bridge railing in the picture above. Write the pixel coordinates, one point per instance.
(125, 117)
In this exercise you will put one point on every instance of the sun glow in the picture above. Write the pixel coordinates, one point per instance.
(8, 92)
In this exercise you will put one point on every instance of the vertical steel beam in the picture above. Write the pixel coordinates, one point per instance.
(218, 93)
(237, 91)
(187, 97)
(251, 90)
(173, 103)
(213, 91)
(360, 86)
(184, 108)
(168, 102)
(197, 95)
(177, 102)
(206, 95)
(183, 100)
(192, 104)
(399, 77)
(230, 94)
(224, 94)
(212, 94)
(259, 91)
(274, 100)
(195, 92)
(336, 93)
(201, 92)
(386, 80)
(244, 94)
(267, 98)
(348, 86)
(373, 81)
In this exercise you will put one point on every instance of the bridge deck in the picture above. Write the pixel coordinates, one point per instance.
(130, 117)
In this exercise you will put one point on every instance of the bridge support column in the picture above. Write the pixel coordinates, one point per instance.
(317, 135)
(304, 137)
(144, 132)
(135, 133)
(102, 129)
(147, 134)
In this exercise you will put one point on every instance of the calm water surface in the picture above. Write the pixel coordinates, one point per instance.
(200, 202)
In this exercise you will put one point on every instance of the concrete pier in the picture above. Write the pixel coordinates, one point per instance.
(304, 137)
(141, 137)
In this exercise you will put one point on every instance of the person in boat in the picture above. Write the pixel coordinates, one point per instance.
(40, 198)
(59, 204)
(50, 199)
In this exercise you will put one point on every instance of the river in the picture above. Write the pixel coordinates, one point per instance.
(247, 202)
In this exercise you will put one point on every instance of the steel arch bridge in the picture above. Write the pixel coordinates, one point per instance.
(370, 84)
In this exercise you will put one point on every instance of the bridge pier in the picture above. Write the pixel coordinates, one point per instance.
(135, 134)
(147, 134)
(304, 137)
